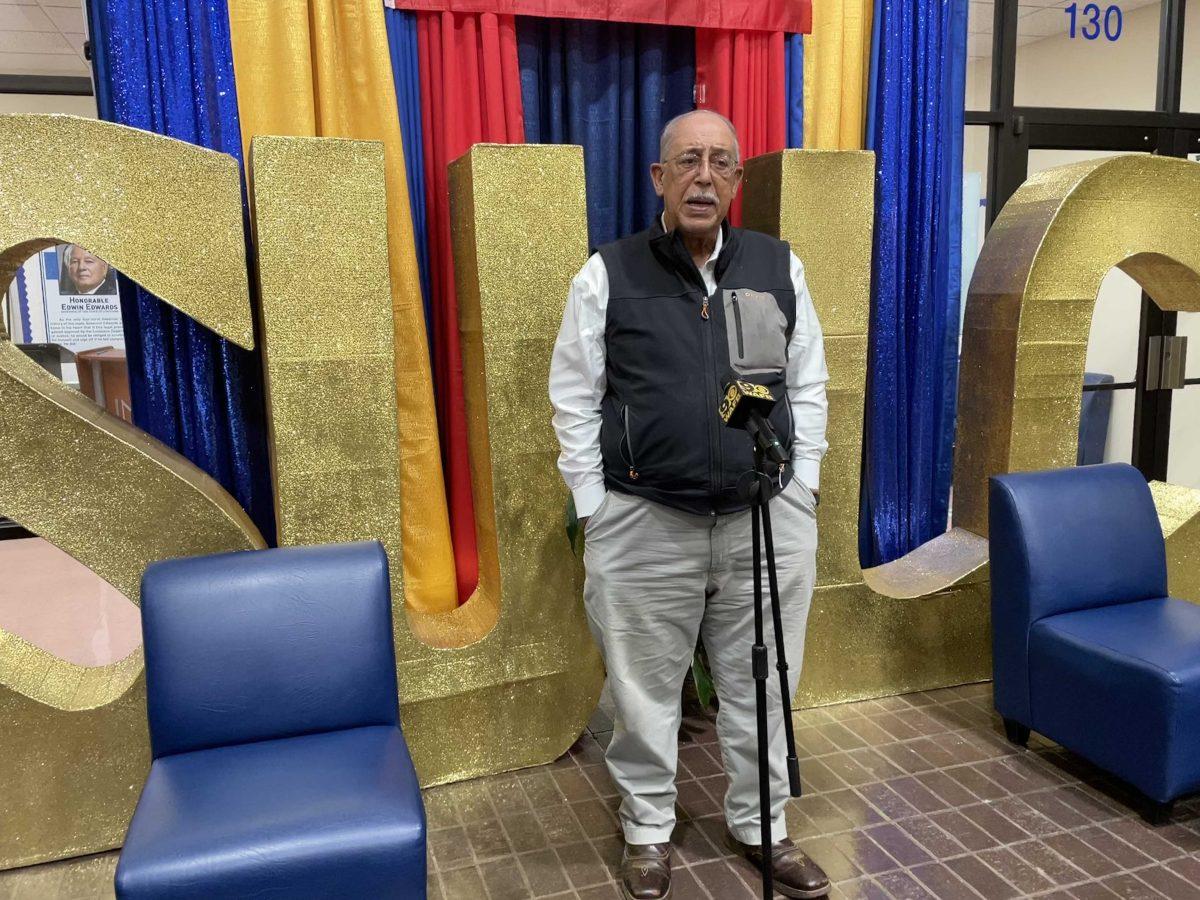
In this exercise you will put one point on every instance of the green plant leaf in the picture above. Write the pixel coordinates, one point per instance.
(574, 532)
(706, 690)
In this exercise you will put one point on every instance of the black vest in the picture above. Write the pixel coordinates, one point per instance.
(670, 348)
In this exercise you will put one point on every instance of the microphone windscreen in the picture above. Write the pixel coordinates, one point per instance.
(739, 397)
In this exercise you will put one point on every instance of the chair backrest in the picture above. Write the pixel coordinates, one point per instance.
(1065, 540)
(267, 644)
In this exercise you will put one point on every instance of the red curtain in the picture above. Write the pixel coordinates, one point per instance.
(470, 93)
(793, 16)
(740, 74)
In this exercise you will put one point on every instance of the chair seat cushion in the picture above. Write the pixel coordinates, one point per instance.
(336, 814)
(1120, 685)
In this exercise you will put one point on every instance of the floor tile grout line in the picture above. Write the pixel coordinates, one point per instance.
(1046, 788)
(1056, 887)
(1028, 835)
(1075, 782)
(1027, 838)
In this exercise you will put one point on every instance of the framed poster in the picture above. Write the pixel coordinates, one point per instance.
(67, 296)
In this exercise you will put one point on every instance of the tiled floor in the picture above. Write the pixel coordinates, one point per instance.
(908, 797)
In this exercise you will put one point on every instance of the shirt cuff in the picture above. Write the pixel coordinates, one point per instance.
(808, 471)
(588, 498)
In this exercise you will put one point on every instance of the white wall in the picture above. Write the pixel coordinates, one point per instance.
(1099, 74)
(48, 103)
(1190, 95)
(1183, 467)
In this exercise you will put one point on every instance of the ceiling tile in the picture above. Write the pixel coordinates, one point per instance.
(76, 42)
(42, 64)
(67, 19)
(1042, 23)
(33, 42)
(24, 18)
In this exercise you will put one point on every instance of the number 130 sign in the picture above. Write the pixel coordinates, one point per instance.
(1090, 21)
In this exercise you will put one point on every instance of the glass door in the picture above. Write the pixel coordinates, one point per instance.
(1183, 440)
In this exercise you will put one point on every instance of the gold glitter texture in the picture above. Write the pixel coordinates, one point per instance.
(920, 622)
(863, 644)
(934, 566)
(133, 198)
(327, 341)
(90, 878)
(321, 68)
(1029, 309)
(169, 215)
(1179, 513)
(521, 693)
(788, 195)
(509, 678)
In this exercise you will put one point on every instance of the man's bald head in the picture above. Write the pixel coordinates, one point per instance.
(668, 132)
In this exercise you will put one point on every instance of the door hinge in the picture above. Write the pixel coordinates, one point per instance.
(1166, 362)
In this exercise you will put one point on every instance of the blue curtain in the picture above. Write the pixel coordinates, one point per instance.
(915, 127)
(611, 87)
(793, 63)
(406, 70)
(167, 66)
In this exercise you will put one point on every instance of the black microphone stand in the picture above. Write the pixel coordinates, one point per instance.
(759, 496)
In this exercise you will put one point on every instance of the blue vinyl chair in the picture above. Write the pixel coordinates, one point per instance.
(279, 769)
(1089, 650)
(1094, 413)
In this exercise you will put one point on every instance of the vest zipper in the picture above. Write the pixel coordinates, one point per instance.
(633, 472)
(714, 432)
(791, 433)
(737, 321)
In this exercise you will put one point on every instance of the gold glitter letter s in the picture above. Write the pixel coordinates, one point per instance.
(168, 214)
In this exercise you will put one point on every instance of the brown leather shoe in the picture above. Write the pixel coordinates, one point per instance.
(646, 871)
(794, 874)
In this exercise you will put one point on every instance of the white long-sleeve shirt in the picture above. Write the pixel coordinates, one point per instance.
(578, 381)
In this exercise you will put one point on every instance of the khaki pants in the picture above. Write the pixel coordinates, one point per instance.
(657, 578)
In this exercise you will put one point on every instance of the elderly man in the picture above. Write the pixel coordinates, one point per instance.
(654, 325)
(85, 273)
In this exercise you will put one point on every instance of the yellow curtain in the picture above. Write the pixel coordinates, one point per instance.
(322, 68)
(837, 62)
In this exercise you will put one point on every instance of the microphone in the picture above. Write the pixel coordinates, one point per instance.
(747, 405)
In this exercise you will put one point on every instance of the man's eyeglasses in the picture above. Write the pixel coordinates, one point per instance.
(719, 163)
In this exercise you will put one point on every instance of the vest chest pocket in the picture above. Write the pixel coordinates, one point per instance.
(757, 331)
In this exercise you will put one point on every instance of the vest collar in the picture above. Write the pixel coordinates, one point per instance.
(669, 248)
